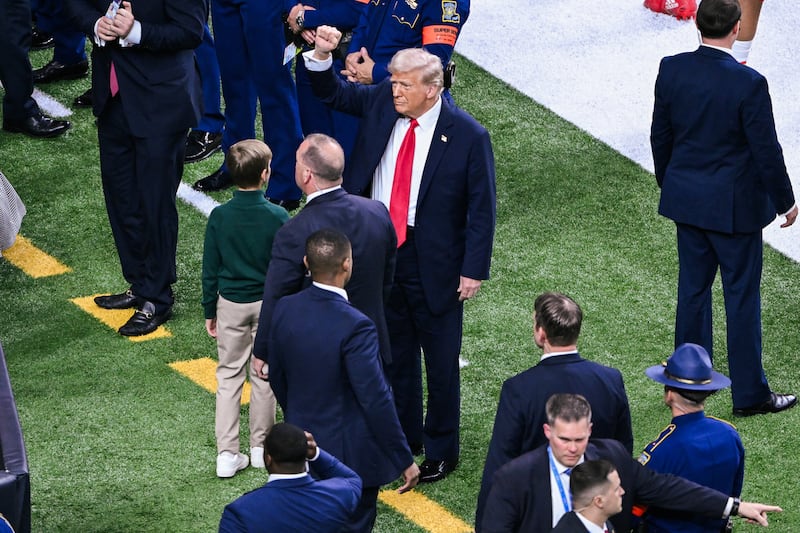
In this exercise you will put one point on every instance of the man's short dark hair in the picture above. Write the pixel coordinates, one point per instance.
(559, 316)
(716, 18)
(246, 161)
(324, 156)
(326, 249)
(587, 479)
(286, 444)
(567, 407)
(695, 396)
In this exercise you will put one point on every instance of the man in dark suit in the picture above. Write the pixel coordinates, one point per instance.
(522, 496)
(432, 165)
(596, 492)
(21, 114)
(722, 178)
(325, 371)
(366, 223)
(292, 500)
(146, 96)
(518, 426)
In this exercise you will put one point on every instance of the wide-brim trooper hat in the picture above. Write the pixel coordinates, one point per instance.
(688, 368)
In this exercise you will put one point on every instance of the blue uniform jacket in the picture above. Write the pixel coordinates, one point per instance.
(702, 449)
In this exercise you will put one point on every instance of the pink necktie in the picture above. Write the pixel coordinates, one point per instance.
(401, 186)
(113, 83)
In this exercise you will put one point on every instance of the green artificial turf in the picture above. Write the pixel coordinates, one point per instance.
(118, 441)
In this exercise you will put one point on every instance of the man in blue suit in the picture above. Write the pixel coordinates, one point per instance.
(366, 223)
(441, 196)
(146, 96)
(520, 420)
(325, 371)
(292, 500)
(722, 178)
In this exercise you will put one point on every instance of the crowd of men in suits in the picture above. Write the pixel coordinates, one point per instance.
(371, 276)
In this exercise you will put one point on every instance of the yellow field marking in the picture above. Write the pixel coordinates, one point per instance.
(31, 260)
(115, 318)
(424, 512)
(203, 372)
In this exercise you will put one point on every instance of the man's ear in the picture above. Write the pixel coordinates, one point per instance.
(547, 430)
(305, 261)
(347, 264)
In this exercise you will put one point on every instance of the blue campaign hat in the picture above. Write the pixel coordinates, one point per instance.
(688, 368)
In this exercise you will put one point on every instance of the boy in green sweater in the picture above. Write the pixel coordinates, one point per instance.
(237, 250)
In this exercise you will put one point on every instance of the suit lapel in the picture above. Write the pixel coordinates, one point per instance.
(441, 140)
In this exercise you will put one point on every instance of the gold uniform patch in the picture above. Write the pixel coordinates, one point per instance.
(450, 12)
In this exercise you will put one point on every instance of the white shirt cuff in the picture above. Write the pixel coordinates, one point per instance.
(316, 65)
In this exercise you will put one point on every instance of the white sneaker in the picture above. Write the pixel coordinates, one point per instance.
(229, 463)
(257, 457)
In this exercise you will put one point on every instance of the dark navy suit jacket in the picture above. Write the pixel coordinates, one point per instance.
(369, 228)
(158, 79)
(298, 505)
(716, 153)
(454, 225)
(521, 414)
(325, 371)
(570, 523)
(520, 496)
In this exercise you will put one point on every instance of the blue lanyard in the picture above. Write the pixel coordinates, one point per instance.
(564, 495)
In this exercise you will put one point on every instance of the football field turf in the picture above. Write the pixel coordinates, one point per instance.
(119, 440)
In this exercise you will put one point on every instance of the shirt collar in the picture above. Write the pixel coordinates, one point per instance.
(726, 50)
(556, 354)
(338, 290)
(278, 477)
(321, 192)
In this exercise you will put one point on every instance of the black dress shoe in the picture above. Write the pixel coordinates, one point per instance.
(775, 404)
(144, 320)
(37, 125)
(432, 471)
(55, 71)
(289, 205)
(215, 182)
(124, 300)
(41, 40)
(84, 99)
(200, 145)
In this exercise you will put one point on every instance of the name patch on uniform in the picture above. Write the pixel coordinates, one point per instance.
(439, 35)
(450, 12)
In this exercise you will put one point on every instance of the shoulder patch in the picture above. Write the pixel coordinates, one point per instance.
(450, 12)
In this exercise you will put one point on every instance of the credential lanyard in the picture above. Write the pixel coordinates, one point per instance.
(564, 495)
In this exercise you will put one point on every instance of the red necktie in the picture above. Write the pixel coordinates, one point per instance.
(401, 186)
(113, 83)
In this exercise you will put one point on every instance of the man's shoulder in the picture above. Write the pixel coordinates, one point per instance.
(524, 464)
(462, 118)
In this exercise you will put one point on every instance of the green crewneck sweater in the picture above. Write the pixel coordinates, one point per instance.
(238, 247)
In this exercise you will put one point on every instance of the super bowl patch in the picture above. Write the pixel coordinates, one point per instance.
(450, 12)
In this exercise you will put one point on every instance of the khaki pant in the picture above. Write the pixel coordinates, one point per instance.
(236, 331)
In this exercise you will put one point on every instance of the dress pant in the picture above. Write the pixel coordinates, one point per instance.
(15, 67)
(70, 44)
(140, 180)
(739, 259)
(363, 518)
(237, 324)
(250, 43)
(212, 120)
(412, 326)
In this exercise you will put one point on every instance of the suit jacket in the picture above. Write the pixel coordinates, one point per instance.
(300, 505)
(158, 81)
(325, 371)
(369, 228)
(716, 153)
(521, 414)
(570, 523)
(520, 496)
(455, 217)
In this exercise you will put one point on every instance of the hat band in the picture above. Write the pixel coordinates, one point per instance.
(687, 381)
